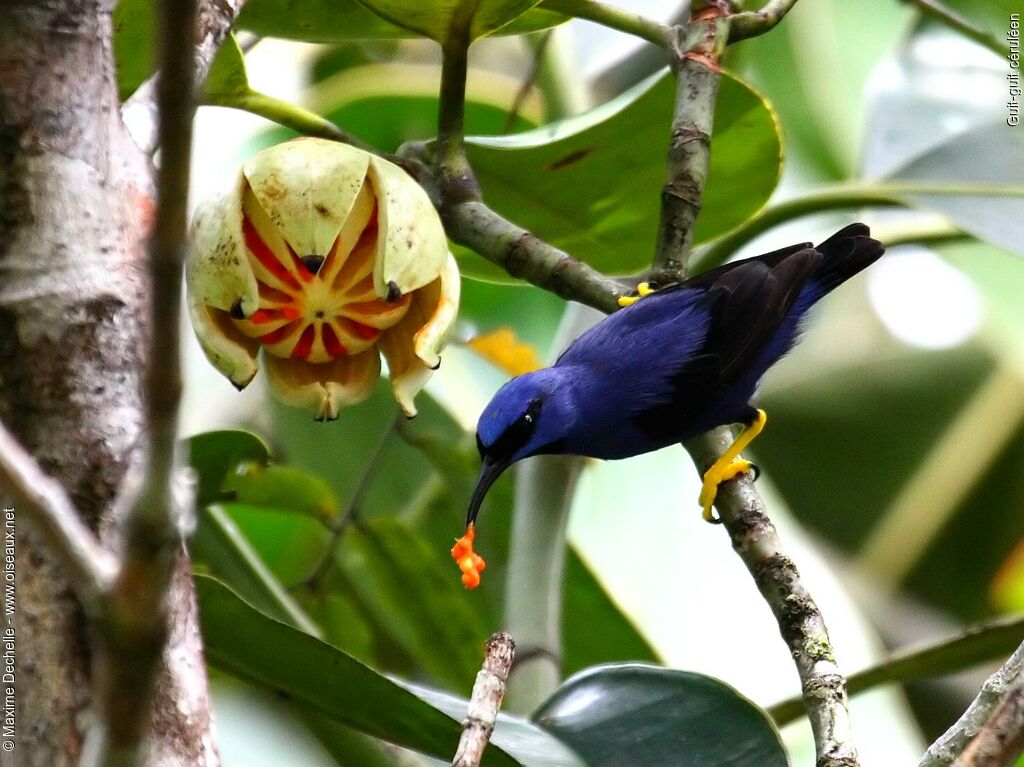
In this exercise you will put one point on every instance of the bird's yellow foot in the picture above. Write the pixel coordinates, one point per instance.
(715, 476)
(642, 290)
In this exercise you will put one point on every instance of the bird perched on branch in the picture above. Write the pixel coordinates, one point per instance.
(679, 361)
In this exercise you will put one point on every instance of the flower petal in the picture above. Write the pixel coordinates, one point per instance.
(431, 336)
(411, 347)
(325, 387)
(227, 348)
(307, 187)
(412, 248)
(218, 272)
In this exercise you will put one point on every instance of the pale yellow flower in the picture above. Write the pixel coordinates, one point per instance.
(325, 256)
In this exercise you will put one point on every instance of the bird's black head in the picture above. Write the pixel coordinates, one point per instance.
(529, 415)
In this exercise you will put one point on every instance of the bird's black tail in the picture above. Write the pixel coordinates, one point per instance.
(846, 252)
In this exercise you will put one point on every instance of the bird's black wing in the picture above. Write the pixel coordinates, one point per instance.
(745, 303)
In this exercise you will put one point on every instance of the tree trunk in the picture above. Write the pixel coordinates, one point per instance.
(75, 204)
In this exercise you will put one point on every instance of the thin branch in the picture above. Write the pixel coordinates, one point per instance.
(91, 568)
(972, 646)
(455, 177)
(956, 739)
(135, 628)
(615, 18)
(527, 257)
(754, 23)
(801, 625)
(355, 504)
(1001, 740)
(140, 111)
(739, 506)
(488, 691)
(689, 153)
(957, 22)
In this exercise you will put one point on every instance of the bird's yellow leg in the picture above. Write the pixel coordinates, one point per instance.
(729, 465)
(643, 289)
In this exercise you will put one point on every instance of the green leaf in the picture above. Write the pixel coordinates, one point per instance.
(281, 487)
(637, 714)
(591, 184)
(214, 454)
(390, 103)
(227, 76)
(328, 21)
(434, 18)
(979, 644)
(133, 44)
(222, 550)
(245, 643)
(988, 163)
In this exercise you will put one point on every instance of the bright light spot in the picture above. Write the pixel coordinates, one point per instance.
(577, 701)
(922, 300)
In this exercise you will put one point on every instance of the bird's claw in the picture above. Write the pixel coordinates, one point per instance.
(643, 289)
(715, 476)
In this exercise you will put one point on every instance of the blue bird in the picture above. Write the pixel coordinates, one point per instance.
(680, 361)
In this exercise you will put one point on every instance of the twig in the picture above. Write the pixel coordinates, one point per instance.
(689, 153)
(955, 740)
(488, 690)
(1001, 740)
(135, 626)
(455, 177)
(355, 503)
(524, 255)
(800, 621)
(91, 568)
(972, 646)
(140, 111)
(631, 23)
(754, 23)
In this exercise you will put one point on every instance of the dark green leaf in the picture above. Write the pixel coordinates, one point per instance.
(637, 714)
(528, 742)
(242, 641)
(591, 184)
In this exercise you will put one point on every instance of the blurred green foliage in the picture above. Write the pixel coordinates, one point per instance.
(325, 545)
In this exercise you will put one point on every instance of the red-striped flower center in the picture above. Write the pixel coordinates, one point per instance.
(316, 306)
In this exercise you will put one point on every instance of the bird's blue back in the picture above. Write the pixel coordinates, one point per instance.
(689, 357)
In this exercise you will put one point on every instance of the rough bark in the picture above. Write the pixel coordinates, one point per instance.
(75, 204)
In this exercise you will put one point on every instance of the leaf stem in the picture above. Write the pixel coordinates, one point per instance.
(289, 115)
(753, 23)
(455, 176)
(614, 18)
(974, 645)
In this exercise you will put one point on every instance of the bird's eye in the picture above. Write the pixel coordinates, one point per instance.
(528, 418)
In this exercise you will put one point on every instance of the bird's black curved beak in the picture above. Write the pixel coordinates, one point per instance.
(489, 472)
